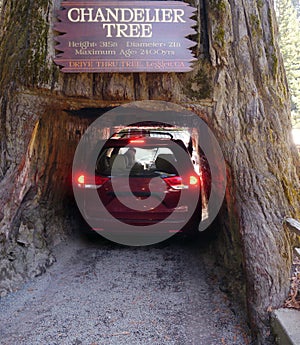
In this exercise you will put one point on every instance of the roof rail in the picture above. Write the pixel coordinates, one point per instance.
(141, 132)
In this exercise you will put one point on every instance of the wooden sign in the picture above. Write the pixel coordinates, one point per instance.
(124, 36)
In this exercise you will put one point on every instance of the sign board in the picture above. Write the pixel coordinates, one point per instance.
(124, 36)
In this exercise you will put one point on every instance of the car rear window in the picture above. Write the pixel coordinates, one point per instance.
(139, 161)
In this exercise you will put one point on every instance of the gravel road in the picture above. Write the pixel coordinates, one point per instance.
(100, 293)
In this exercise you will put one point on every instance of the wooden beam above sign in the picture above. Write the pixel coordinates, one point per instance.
(124, 36)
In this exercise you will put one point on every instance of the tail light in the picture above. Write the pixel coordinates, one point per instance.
(194, 180)
(90, 182)
(81, 180)
(176, 182)
(137, 141)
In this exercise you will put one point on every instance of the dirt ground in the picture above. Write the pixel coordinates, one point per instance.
(101, 293)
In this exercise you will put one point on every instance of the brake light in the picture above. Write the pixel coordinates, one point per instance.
(91, 182)
(193, 180)
(137, 141)
(81, 179)
(175, 182)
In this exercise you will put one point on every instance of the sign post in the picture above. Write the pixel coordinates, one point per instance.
(124, 36)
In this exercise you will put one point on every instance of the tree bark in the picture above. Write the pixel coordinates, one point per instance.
(238, 87)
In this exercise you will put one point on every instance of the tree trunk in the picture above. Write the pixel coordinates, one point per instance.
(238, 87)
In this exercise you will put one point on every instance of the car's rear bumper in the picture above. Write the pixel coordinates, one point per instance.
(150, 226)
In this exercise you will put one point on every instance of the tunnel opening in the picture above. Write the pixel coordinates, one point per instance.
(59, 131)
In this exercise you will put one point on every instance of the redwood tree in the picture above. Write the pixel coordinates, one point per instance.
(237, 86)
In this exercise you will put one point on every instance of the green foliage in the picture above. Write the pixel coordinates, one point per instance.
(289, 41)
(296, 4)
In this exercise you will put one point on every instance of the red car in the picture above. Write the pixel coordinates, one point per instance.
(141, 181)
